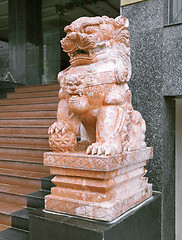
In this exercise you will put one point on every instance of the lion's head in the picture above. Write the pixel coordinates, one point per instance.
(89, 38)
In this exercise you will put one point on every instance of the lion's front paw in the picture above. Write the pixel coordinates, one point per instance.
(61, 138)
(57, 127)
(101, 149)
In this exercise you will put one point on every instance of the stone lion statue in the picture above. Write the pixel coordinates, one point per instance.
(94, 90)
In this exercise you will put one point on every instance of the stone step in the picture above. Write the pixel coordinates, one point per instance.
(23, 101)
(14, 194)
(16, 95)
(20, 219)
(28, 141)
(24, 136)
(46, 183)
(30, 107)
(22, 152)
(28, 147)
(21, 178)
(23, 130)
(27, 151)
(24, 166)
(3, 227)
(5, 212)
(32, 114)
(21, 159)
(4, 218)
(28, 122)
(14, 234)
(37, 199)
(25, 89)
(24, 120)
(20, 181)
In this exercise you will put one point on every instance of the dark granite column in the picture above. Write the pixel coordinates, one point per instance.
(151, 52)
(25, 41)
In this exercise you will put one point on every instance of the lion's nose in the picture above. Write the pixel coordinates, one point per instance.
(72, 36)
(68, 43)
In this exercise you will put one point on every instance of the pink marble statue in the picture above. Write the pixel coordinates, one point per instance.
(94, 90)
(102, 176)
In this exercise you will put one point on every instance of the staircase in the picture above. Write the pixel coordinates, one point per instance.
(25, 116)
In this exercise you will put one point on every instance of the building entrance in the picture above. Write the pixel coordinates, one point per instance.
(30, 33)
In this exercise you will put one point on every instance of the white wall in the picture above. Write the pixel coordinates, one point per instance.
(179, 169)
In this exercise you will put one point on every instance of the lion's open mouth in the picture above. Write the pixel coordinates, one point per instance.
(81, 55)
(88, 55)
(79, 51)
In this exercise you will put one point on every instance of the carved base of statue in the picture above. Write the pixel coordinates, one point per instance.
(97, 187)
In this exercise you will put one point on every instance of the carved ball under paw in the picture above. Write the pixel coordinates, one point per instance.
(61, 139)
(63, 143)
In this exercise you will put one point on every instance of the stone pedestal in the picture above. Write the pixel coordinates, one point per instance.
(142, 222)
(97, 187)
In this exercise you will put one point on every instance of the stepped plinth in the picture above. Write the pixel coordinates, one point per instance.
(97, 187)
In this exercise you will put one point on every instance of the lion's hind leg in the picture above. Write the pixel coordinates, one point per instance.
(136, 132)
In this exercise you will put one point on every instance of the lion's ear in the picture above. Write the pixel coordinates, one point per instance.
(121, 22)
(121, 33)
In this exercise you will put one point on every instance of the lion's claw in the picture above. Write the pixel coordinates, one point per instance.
(58, 127)
(89, 150)
(100, 149)
(108, 152)
(94, 150)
